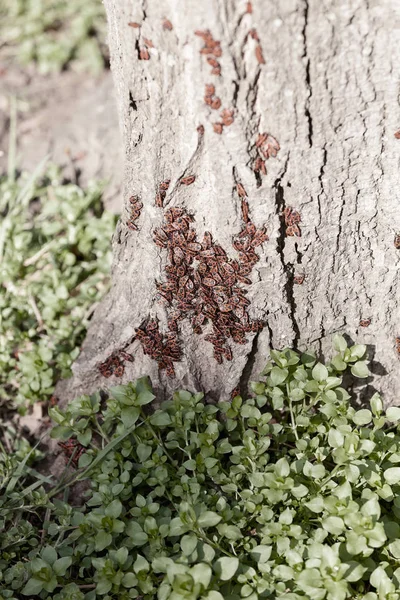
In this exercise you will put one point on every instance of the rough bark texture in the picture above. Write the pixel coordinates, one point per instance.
(329, 93)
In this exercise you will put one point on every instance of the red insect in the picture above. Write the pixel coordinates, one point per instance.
(398, 345)
(397, 241)
(73, 450)
(397, 135)
(164, 185)
(212, 62)
(299, 279)
(245, 210)
(216, 103)
(254, 35)
(210, 90)
(134, 25)
(293, 231)
(259, 55)
(53, 401)
(218, 128)
(292, 216)
(188, 180)
(167, 24)
(216, 71)
(365, 322)
(227, 116)
(249, 7)
(241, 191)
(148, 43)
(259, 238)
(259, 165)
(200, 130)
(160, 200)
(144, 54)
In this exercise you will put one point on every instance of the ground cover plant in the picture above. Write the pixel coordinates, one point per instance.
(55, 34)
(292, 493)
(55, 259)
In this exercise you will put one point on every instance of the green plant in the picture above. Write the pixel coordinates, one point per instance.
(54, 262)
(55, 34)
(290, 494)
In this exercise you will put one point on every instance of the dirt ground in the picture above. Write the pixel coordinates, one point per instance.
(72, 118)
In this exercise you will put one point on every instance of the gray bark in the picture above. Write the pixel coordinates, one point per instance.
(329, 93)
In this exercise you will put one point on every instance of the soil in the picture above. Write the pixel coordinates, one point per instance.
(72, 118)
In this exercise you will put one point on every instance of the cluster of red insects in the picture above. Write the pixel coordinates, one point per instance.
(398, 345)
(210, 99)
(135, 210)
(144, 53)
(226, 120)
(209, 290)
(292, 220)
(73, 450)
(162, 191)
(162, 348)
(114, 364)
(267, 147)
(213, 48)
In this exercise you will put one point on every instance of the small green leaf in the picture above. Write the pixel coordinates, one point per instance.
(261, 553)
(360, 369)
(201, 574)
(49, 554)
(160, 419)
(130, 415)
(61, 565)
(226, 567)
(376, 404)
(143, 451)
(319, 372)
(362, 417)
(140, 564)
(393, 414)
(32, 587)
(278, 375)
(333, 525)
(358, 351)
(208, 519)
(316, 504)
(102, 540)
(335, 438)
(392, 475)
(114, 509)
(188, 544)
(339, 343)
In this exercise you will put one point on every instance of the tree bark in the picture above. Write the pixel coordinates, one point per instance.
(329, 93)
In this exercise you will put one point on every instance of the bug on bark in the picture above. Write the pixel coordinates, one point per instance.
(365, 322)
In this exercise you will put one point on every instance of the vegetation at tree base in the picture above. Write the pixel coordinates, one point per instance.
(55, 259)
(55, 34)
(292, 494)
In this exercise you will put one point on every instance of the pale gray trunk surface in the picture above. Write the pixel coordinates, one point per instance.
(329, 93)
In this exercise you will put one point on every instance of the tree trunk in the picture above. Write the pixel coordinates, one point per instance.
(320, 77)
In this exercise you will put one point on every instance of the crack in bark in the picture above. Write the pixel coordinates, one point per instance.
(281, 240)
(248, 369)
(320, 175)
(308, 77)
